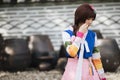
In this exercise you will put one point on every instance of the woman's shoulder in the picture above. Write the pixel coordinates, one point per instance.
(68, 31)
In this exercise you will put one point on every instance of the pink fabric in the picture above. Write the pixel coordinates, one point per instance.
(70, 70)
(80, 34)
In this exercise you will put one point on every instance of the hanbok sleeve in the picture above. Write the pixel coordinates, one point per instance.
(96, 58)
(71, 44)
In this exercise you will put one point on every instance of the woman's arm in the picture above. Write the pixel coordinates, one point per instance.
(96, 59)
(71, 44)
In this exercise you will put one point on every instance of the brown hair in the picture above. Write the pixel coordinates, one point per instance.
(82, 13)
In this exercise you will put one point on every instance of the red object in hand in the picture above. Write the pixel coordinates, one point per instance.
(103, 79)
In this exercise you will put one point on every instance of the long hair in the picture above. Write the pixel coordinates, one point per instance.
(82, 13)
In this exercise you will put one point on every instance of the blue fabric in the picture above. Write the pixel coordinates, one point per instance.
(90, 38)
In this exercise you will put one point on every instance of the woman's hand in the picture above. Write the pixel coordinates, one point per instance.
(83, 28)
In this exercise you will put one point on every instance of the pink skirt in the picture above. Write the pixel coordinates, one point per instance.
(70, 70)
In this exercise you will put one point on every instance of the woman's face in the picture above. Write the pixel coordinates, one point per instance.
(89, 21)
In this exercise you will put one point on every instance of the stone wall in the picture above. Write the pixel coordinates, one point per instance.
(52, 20)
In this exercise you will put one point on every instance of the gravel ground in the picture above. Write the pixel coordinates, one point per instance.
(113, 75)
(35, 74)
(31, 74)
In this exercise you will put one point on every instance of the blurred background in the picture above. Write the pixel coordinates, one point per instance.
(31, 41)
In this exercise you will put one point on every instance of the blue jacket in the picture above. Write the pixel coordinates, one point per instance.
(90, 38)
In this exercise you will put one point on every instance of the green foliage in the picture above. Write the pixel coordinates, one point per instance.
(96, 49)
(67, 43)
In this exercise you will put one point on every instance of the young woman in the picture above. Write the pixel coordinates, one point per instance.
(84, 61)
